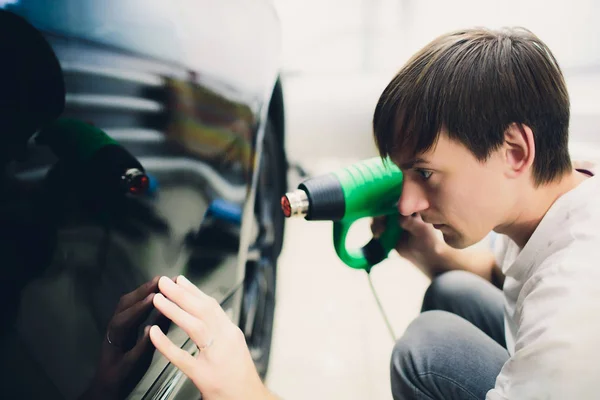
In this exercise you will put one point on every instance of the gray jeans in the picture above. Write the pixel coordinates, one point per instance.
(455, 348)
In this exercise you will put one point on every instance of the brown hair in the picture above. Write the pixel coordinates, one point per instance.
(473, 84)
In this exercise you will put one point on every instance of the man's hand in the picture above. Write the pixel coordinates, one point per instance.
(424, 246)
(420, 243)
(223, 368)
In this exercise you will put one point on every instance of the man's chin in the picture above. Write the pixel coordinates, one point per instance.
(458, 241)
(455, 240)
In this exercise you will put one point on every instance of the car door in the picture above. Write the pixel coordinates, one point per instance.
(143, 72)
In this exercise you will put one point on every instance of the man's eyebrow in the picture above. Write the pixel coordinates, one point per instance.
(410, 164)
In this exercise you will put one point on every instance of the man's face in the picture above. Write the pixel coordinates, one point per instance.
(463, 197)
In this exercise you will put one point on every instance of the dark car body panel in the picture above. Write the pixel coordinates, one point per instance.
(185, 86)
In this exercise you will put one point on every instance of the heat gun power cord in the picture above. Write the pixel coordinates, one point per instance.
(381, 310)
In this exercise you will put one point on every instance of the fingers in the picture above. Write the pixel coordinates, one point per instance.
(178, 357)
(378, 226)
(138, 294)
(142, 346)
(190, 287)
(411, 222)
(194, 327)
(203, 307)
(161, 321)
(132, 315)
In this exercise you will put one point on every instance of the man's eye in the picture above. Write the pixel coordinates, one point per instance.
(424, 173)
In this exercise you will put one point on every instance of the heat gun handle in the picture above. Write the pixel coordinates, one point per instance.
(373, 252)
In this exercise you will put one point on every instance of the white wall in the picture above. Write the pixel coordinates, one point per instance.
(337, 35)
(339, 54)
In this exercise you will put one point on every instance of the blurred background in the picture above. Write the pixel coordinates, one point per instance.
(330, 342)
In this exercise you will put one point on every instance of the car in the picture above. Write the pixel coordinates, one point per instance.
(192, 91)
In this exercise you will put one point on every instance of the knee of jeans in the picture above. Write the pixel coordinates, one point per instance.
(410, 354)
(444, 288)
(422, 335)
(409, 345)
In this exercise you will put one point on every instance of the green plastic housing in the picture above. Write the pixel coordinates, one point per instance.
(71, 139)
(371, 188)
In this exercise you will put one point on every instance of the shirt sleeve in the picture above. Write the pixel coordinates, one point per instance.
(557, 346)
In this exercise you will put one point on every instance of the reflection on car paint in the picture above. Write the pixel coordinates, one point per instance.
(209, 125)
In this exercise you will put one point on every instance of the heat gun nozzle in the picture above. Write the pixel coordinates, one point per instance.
(295, 204)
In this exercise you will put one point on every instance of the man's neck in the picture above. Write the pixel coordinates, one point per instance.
(535, 205)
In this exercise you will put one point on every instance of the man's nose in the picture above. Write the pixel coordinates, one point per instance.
(413, 199)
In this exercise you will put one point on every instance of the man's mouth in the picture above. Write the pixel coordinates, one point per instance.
(436, 226)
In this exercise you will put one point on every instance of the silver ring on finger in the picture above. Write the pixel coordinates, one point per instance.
(108, 339)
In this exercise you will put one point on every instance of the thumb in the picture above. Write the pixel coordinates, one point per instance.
(411, 222)
(378, 225)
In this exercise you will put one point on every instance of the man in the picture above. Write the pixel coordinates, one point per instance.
(478, 122)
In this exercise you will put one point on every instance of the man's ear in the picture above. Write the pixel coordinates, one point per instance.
(518, 149)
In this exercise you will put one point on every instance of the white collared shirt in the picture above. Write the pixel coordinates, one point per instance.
(552, 303)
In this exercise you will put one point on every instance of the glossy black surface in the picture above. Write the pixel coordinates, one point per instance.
(156, 77)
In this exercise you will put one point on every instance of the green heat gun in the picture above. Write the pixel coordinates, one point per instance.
(368, 188)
